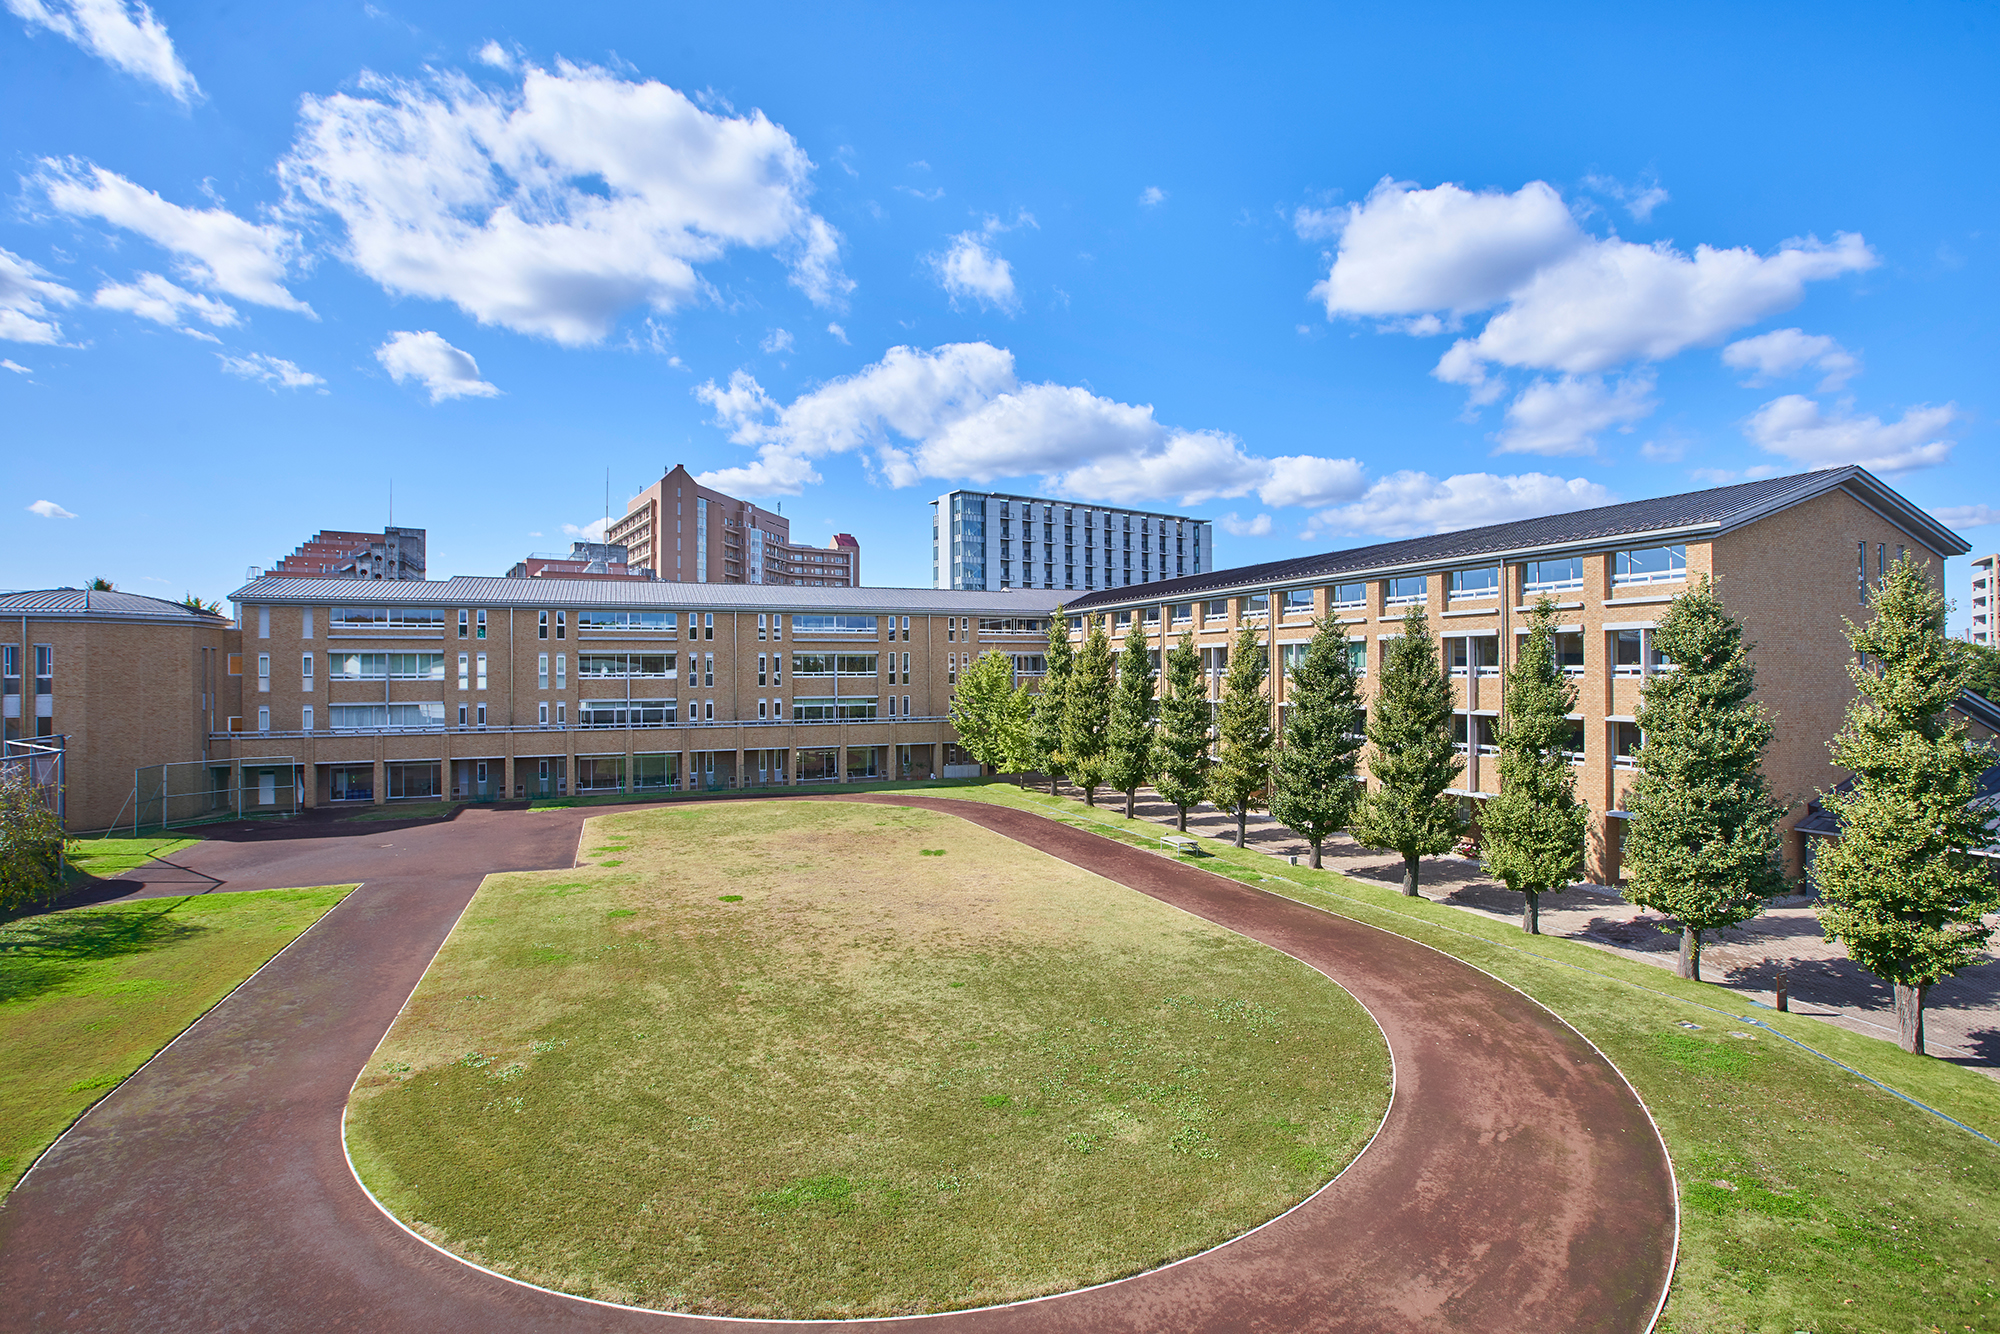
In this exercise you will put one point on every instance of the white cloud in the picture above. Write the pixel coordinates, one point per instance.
(1407, 503)
(122, 33)
(1663, 451)
(1256, 526)
(593, 531)
(553, 209)
(214, 248)
(48, 509)
(1797, 428)
(1152, 197)
(1966, 516)
(1786, 352)
(970, 270)
(1318, 224)
(1405, 251)
(778, 340)
(274, 371)
(1564, 416)
(154, 298)
(7, 363)
(960, 412)
(837, 332)
(496, 55)
(436, 364)
(26, 293)
(1639, 200)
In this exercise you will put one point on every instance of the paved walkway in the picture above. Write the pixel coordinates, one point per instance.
(1516, 1183)
(1961, 1017)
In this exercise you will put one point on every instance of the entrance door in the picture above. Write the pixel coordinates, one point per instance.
(267, 788)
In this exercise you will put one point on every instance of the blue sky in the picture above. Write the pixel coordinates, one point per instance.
(1323, 274)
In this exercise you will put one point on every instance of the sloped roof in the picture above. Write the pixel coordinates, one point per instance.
(1691, 514)
(67, 602)
(488, 591)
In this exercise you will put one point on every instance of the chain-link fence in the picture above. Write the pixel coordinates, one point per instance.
(194, 790)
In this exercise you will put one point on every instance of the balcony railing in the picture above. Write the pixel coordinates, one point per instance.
(327, 733)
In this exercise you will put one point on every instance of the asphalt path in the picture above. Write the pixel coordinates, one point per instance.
(1516, 1184)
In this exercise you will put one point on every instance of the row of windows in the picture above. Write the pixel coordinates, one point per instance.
(1481, 731)
(599, 713)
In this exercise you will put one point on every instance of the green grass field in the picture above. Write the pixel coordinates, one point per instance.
(87, 996)
(108, 858)
(1811, 1200)
(821, 1060)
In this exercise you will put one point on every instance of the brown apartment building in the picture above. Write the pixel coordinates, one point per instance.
(123, 680)
(690, 533)
(486, 688)
(393, 553)
(1792, 557)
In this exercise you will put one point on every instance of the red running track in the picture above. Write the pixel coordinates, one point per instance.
(1517, 1184)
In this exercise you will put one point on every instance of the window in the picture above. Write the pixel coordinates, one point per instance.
(708, 710)
(45, 668)
(1861, 573)
(461, 715)
(761, 618)
(263, 632)
(1290, 656)
(835, 625)
(562, 673)
(482, 671)
(264, 676)
(1572, 743)
(350, 717)
(628, 712)
(707, 669)
(235, 668)
(384, 620)
(590, 665)
(1357, 656)
(464, 618)
(1650, 565)
(562, 712)
(1483, 582)
(1183, 613)
(950, 628)
(10, 668)
(1407, 589)
(386, 666)
(761, 672)
(906, 628)
(1480, 729)
(906, 670)
(562, 624)
(694, 670)
(481, 715)
(541, 625)
(306, 669)
(1626, 740)
(827, 709)
(906, 706)
(306, 625)
(777, 626)
(600, 622)
(464, 670)
(1568, 647)
(951, 670)
(1552, 576)
(1627, 652)
(1298, 602)
(353, 782)
(1256, 604)
(1478, 654)
(542, 673)
(1349, 597)
(306, 718)
(482, 626)
(264, 719)
(542, 712)
(763, 708)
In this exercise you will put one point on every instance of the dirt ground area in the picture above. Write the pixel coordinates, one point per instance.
(1962, 1016)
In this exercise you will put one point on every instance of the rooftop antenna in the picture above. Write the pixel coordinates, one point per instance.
(392, 502)
(607, 506)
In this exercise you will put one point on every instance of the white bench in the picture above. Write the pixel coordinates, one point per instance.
(1182, 843)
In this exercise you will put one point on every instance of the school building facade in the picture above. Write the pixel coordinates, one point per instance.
(1791, 557)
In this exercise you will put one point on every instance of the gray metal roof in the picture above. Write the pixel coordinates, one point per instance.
(485, 591)
(1695, 514)
(68, 602)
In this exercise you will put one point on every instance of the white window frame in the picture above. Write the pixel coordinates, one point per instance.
(542, 671)
(464, 671)
(306, 718)
(480, 663)
(263, 677)
(1671, 575)
(562, 675)
(263, 717)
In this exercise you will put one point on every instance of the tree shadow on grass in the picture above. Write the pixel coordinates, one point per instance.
(40, 954)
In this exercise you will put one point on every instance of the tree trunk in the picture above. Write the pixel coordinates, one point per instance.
(1183, 815)
(1052, 785)
(1531, 913)
(1315, 857)
(1410, 875)
(1089, 795)
(1242, 824)
(1689, 963)
(1131, 793)
(1910, 1018)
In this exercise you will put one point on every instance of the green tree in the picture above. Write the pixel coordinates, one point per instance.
(1900, 886)
(1129, 747)
(990, 715)
(31, 842)
(101, 585)
(1313, 792)
(1413, 760)
(1087, 711)
(1982, 665)
(1702, 845)
(1242, 770)
(1180, 743)
(1046, 736)
(194, 603)
(1535, 827)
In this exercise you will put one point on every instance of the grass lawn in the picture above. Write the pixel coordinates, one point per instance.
(108, 858)
(1811, 1200)
(416, 810)
(87, 996)
(822, 1060)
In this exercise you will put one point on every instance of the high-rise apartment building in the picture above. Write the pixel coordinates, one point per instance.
(1981, 628)
(986, 541)
(393, 553)
(693, 534)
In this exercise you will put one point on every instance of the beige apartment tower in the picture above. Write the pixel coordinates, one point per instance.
(1980, 626)
(693, 534)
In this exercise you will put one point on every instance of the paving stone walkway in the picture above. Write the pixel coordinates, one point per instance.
(1962, 1017)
